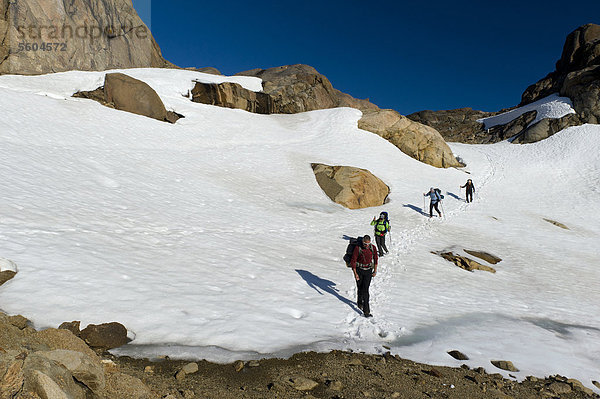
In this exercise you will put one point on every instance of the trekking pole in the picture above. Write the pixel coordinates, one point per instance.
(442, 205)
(391, 242)
(424, 205)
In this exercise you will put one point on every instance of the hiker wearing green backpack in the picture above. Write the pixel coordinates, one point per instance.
(382, 226)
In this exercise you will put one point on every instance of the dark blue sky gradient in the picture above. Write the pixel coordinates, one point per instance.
(408, 56)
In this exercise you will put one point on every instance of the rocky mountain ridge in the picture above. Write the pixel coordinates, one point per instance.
(577, 76)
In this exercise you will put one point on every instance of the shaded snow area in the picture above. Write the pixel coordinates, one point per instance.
(551, 107)
(210, 238)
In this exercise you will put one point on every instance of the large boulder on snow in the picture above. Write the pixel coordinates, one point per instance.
(232, 95)
(419, 141)
(351, 187)
(90, 35)
(132, 95)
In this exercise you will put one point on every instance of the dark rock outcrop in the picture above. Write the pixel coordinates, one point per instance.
(351, 187)
(233, 95)
(546, 128)
(84, 35)
(456, 125)
(300, 88)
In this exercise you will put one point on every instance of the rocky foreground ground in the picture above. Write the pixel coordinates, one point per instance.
(57, 364)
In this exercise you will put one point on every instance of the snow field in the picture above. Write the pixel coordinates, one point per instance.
(211, 239)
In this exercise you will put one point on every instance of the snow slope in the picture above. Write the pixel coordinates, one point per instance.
(211, 239)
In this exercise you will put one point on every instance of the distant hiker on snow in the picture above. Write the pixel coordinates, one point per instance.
(435, 196)
(470, 189)
(364, 265)
(382, 226)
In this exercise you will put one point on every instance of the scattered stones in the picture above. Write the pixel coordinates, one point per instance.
(351, 187)
(302, 383)
(486, 256)
(253, 363)
(149, 369)
(434, 373)
(559, 388)
(558, 224)
(190, 368)
(18, 321)
(82, 367)
(73, 326)
(355, 362)
(458, 355)
(464, 262)
(505, 365)
(238, 366)
(335, 385)
(105, 336)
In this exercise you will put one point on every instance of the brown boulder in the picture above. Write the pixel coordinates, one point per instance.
(6, 275)
(416, 140)
(132, 95)
(105, 336)
(465, 263)
(504, 365)
(486, 256)
(232, 95)
(351, 187)
(90, 35)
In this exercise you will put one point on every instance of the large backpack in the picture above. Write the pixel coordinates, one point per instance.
(439, 193)
(350, 249)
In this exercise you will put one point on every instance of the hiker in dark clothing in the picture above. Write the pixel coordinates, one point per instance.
(382, 226)
(364, 265)
(435, 198)
(470, 189)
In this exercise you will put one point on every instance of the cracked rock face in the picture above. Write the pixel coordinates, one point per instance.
(40, 36)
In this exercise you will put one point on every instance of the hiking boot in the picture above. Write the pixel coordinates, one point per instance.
(368, 315)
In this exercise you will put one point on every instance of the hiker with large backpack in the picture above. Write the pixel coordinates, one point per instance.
(382, 226)
(435, 196)
(364, 266)
(469, 190)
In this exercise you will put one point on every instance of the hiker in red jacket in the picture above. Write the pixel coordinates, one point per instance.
(364, 265)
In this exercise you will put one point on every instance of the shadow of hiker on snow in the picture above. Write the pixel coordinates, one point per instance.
(416, 209)
(454, 196)
(321, 285)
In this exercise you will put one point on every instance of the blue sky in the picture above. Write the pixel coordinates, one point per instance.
(408, 56)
